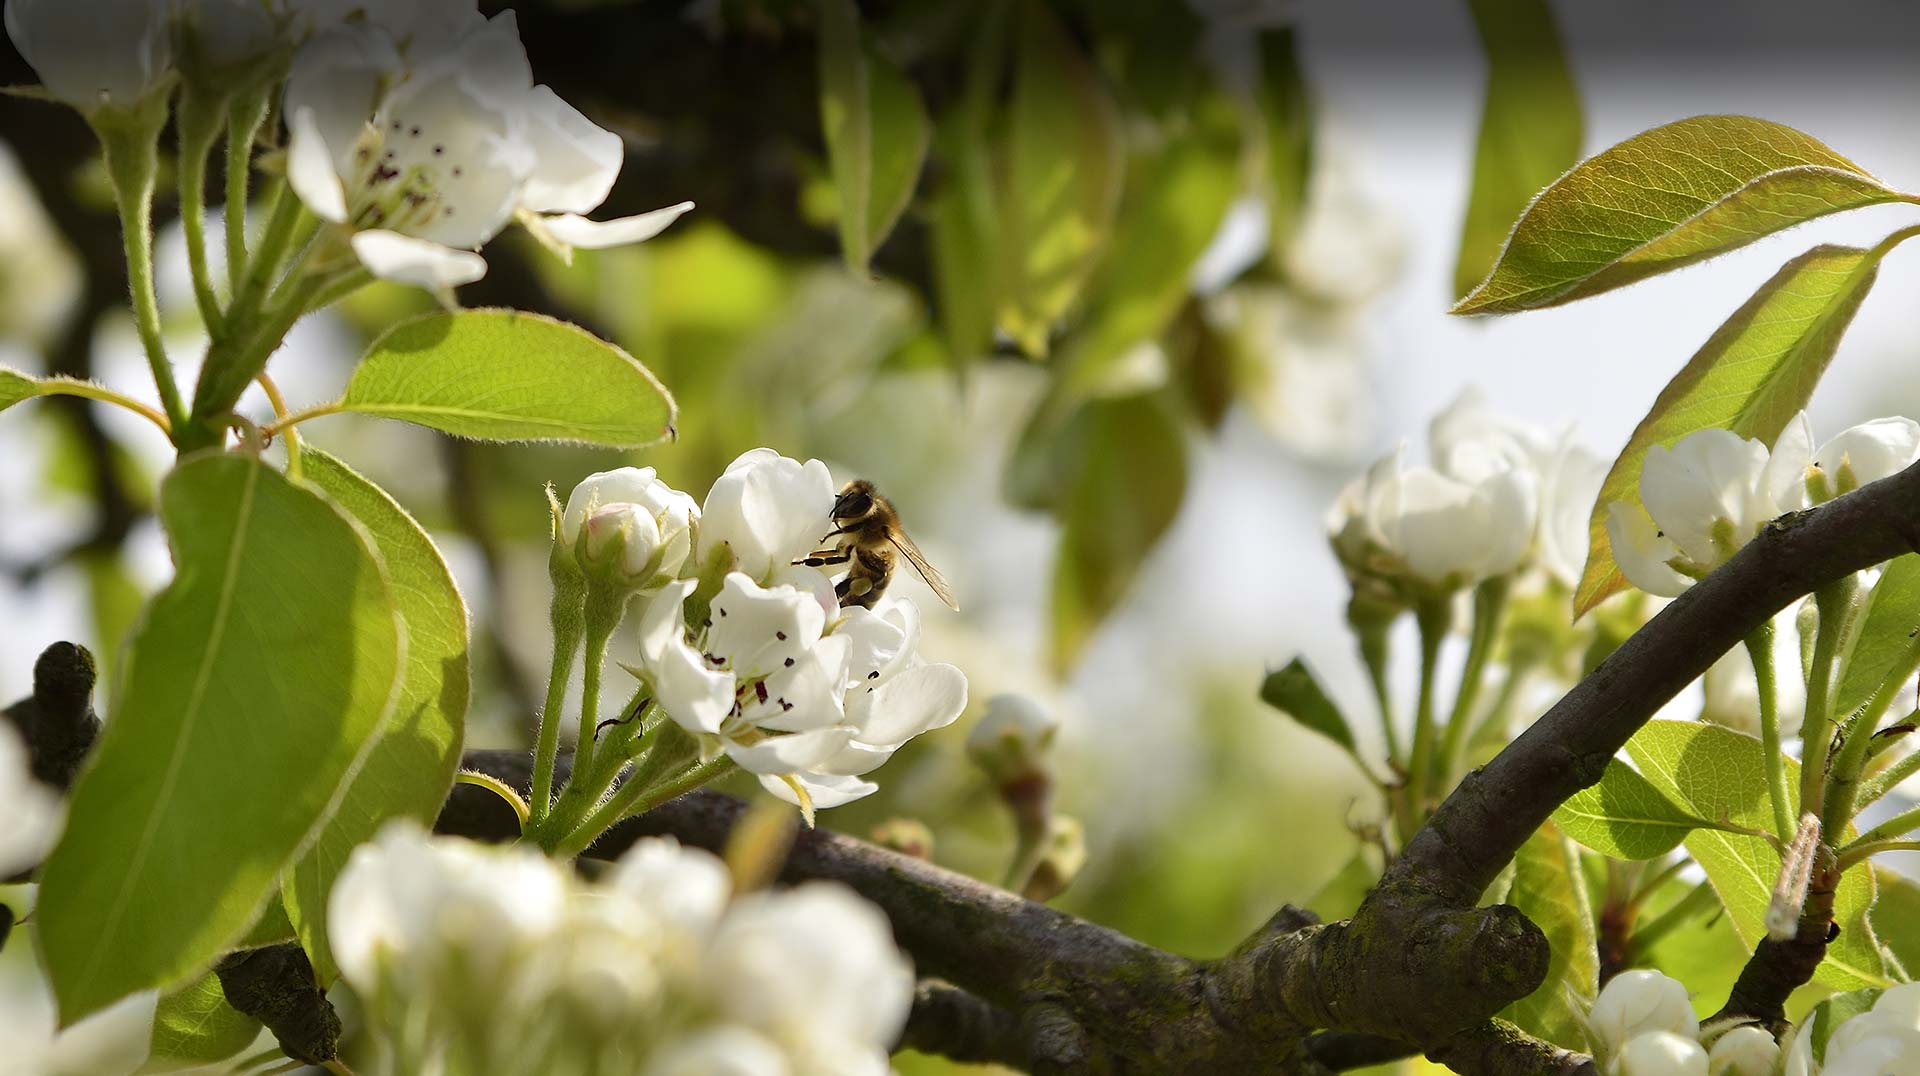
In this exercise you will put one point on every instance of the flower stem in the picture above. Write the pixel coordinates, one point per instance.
(1435, 617)
(635, 798)
(567, 631)
(1760, 650)
(497, 787)
(263, 265)
(1489, 605)
(1678, 915)
(1859, 851)
(132, 156)
(1837, 807)
(245, 114)
(280, 416)
(1374, 648)
(1884, 782)
(604, 612)
(198, 125)
(1898, 826)
(1834, 602)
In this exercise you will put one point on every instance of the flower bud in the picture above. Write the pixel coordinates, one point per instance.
(1066, 855)
(101, 52)
(1634, 1003)
(636, 527)
(1012, 738)
(907, 836)
(1660, 1053)
(1743, 1051)
(1872, 1045)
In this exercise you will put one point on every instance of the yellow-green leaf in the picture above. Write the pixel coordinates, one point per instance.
(876, 131)
(251, 690)
(408, 773)
(1664, 199)
(1624, 816)
(507, 375)
(1286, 109)
(1530, 127)
(195, 1026)
(1755, 372)
(16, 386)
(1064, 161)
(1549, 886)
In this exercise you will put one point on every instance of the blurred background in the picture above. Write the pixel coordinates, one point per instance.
(1129, 498)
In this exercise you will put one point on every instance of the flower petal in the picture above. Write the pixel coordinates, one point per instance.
(695, 695)
(789, 753)
(578, 159)
(823, 789)
(1642, 552)
(419, 262)
(808, 694)
(310, 168)
(912, 701)
(577, 231)
(757, 628)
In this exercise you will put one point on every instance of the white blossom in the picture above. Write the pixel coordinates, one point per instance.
(652, 521)
(1743, 1051)
(769, 510)
(1635, 1003)
(39, 275)
(419, 128)
(111, 1042)
(1881, 1048)
(1861, 454)
(1660, 1053)
(30, 812)
(1013, 724)
(94, 53)
(1703, 499)
(1446, 532)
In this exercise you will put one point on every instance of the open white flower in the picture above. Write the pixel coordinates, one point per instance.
(769, 510)
(1636, 1003)
(1861, 454)
(1703, 499)
(1448, 532)
(421, 130)
(101, 53)
(30, 812)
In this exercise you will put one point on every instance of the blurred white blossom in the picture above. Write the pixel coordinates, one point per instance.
(474, 959)
(111, 1042)
(39, 276)
(95, 53)
(30, 812)
(1442, 531)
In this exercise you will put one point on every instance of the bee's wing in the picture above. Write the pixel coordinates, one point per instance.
(935, 581)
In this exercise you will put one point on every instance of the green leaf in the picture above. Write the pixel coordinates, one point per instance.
(409, 771)
(876, 131)
(1664, 199)
(1755, 372)
(1295, 692)
(1550, 888)
(272, 928)
(1896, 917)
(1063, 171)
(16, 386)
(507, 375)
(195, 1026)
(1530, 127)
(1286, 112)
(1890, 616)
(249, 693)
(1718, 773)
(1175, 200)
(964, 214)
(1125, 479)
(1624, 816)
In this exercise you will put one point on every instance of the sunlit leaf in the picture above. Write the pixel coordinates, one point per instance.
(1530, 127)
(15, 386)
(1295, 692)
(408, 773)
(876, 131)
(1549, 887)
(1125, 477)
(507, 375)
(257, 680)
(1063, 168)
(195, 1026)
(1624, 816)
(1896, 916)
(1755, 372)
(1664, 199)
(964, 215)
(1889, 617)
(1715, 772)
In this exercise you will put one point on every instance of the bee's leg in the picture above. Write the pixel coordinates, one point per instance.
(821, 557)
(857, 591)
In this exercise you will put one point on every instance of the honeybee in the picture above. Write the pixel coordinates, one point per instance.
(871, 540)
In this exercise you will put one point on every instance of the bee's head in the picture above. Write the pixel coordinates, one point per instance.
(854, 502)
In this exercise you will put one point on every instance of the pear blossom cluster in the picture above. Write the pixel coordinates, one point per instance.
(1883, 1041)
(1712, 491)
(1498, 497)
(1643, 1024)
(762, 664)
(499, 960)
(415, 128)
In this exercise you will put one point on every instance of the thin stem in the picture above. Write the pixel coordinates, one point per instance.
(1494, 721)
(244, 117)
(132, 160)
(624, 806)
(263, 264)
(1434, 617)
(1373, 635)
(1856, 853)
(285, 423)
(1834, 604)
(599, 631)
(338, 287)
(1898, 826)
(1760, 649)
(68, 386)
(198, 126)
(1682, 912)
(497, 787)
(1659, 878)
(567, 630)
(1874, 788)
(280, 415)
(1841, 800)
(1489, 604)
(1030, 848)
